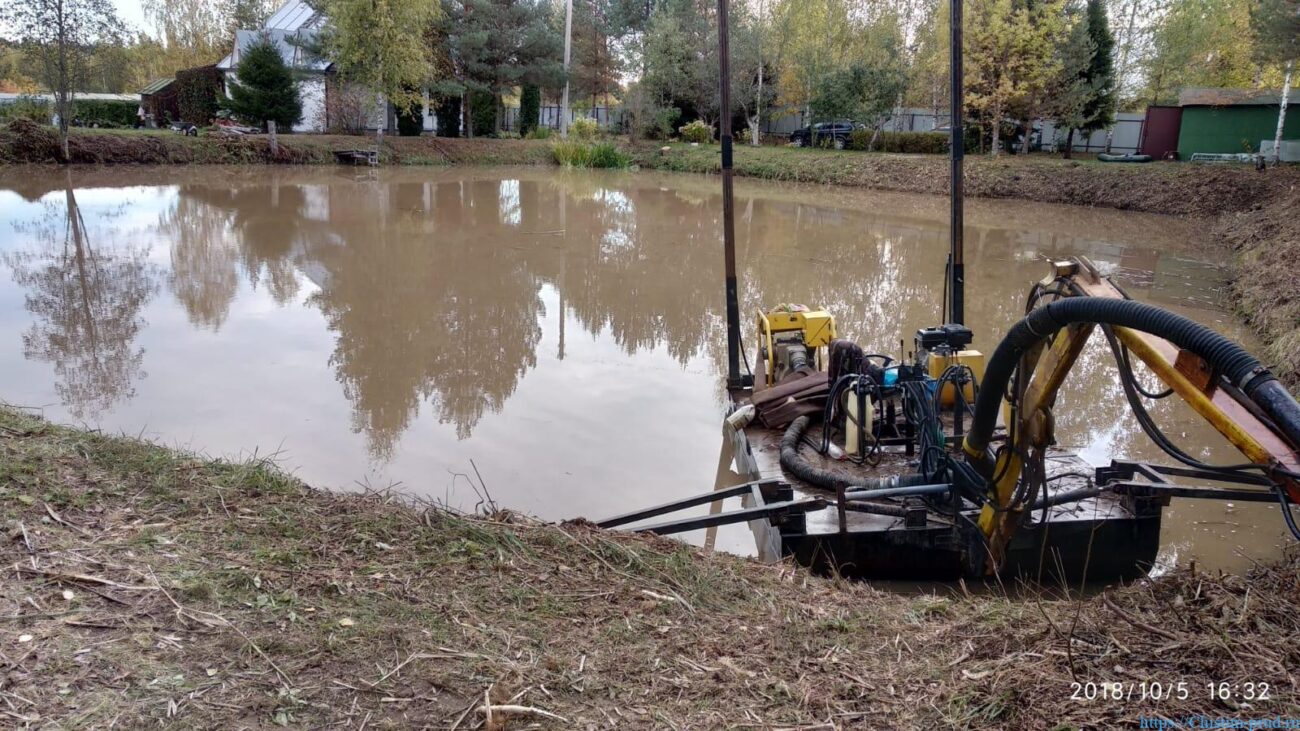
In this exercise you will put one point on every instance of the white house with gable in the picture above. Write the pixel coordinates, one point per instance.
(292, 28)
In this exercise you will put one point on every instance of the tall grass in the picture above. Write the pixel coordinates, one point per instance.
(599, 155)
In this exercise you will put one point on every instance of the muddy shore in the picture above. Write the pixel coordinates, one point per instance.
(1250, 211)
(146, 587)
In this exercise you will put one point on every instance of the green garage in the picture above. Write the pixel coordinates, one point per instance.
(1231, 120)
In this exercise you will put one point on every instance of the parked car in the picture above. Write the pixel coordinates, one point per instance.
(835, 134)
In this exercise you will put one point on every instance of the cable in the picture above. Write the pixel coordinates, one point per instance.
(1152, 430)
(1286, 511)
(740, 342)
(1127, 364)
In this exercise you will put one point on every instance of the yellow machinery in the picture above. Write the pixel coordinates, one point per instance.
(938, 362)
(790, 337)
(1221, 382)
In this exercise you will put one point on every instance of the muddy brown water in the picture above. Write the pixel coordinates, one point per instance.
(560, 331)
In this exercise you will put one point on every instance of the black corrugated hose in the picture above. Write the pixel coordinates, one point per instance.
(826, 479)
(1224, 357)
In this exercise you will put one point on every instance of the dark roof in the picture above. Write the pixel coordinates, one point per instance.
(1203, 97)
(157, 85)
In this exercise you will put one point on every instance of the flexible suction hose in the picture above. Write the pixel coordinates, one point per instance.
(1224, 357)
(826, 479)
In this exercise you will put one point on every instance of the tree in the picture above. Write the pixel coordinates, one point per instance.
(1084, 95)
(1072, 92)
(530, 108)
(193, 32)
(494, 46)
(752, 90)
(248, 14)
(1276, 24)
(265, 90)
(594, 72)
(62, 35)
(1199, 43)
(679, 55)
(1099, 112)
(381, 46)
(1010, 59)
(860, 92)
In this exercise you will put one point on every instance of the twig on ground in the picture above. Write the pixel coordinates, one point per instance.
(487, 710)
(1105, 598)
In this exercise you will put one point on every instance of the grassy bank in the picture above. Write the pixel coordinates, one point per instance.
(1154, 188)
(25, 142)
(144, 587)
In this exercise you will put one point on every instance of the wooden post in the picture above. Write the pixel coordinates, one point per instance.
(275, 145)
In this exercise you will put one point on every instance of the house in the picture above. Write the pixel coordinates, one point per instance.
(1231, 121)
(326, 103)
(292, 29)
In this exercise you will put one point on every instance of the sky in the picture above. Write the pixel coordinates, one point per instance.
(132, 12)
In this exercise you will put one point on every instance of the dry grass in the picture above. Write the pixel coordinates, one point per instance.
(1267, 286)
(145, 587)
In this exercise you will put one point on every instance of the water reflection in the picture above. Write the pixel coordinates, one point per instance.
(412, 308)
(85, 298)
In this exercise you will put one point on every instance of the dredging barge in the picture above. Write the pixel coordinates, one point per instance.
(864, 465)
(938, 465)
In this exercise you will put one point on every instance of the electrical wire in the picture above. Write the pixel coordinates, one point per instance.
(1286, 511)
(1154, 432)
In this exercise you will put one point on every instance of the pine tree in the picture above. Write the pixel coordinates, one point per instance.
(264, 90)
(494, 46)
(1099, 113)
(530, 108)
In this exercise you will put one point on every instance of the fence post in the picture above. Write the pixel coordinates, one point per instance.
(275, 144)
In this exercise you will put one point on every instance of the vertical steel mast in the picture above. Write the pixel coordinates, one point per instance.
(956, 266)
(734, 378)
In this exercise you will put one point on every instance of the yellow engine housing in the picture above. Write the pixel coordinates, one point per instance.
(936, 364)
(817, 328)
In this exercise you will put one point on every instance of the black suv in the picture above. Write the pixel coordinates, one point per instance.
(834, 134)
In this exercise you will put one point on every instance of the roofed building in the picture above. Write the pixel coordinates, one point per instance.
(1231, 121)
(327, 104)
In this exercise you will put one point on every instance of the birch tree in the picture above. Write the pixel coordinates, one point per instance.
(381, 46)
(1276, 24)
(62, 36)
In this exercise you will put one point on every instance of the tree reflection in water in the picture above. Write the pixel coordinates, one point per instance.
(86, 302)
(432, 283)
(427, 306)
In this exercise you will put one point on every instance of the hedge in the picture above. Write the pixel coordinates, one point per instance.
(198, 92)
(87, 112)
(106, 113)
(917, 143)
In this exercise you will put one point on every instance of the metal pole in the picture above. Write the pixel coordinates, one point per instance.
(956, 269)
(568, 49)
(734, 379)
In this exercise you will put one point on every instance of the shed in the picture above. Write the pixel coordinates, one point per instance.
(160, 100)
(1230, 120)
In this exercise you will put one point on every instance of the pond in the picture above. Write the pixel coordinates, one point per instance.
(554, 336)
